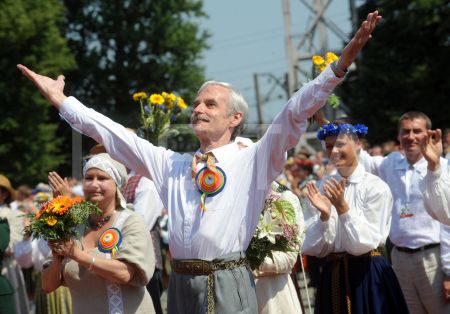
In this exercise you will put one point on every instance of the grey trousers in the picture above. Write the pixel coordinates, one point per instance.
(234, 291)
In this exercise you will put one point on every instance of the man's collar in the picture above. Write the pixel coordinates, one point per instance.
(357, 175)
(401, 163)
(225, 152)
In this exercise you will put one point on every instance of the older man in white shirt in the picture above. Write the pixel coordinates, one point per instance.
(421, 256)
(210, 272)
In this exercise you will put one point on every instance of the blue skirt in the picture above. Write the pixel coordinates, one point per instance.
(359, 284)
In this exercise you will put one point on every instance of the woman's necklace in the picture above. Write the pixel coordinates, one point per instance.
(96, 223)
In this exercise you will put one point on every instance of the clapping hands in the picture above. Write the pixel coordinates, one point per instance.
(333, 195)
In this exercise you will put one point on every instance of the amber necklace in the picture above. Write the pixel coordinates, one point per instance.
(96, 223)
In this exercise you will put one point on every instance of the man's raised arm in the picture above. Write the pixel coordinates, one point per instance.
(436, 193)
(351, 50)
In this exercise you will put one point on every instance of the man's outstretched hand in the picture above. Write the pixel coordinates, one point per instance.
(52, 90)
(362, 35)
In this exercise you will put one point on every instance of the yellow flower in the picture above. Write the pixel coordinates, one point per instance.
(317, 60)
(322, 67)
(51, 221)
(181, 103)
(156, 99)
(330, 57)
(138, 96)
(170, 100)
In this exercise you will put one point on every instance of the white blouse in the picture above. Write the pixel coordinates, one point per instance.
(364, 227)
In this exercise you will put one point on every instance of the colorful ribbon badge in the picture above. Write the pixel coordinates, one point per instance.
(209, 182)
(110, 241)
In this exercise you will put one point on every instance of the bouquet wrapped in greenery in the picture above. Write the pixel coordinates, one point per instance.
(157, 112)
(278, 228)
(319, 64)
(59, 218)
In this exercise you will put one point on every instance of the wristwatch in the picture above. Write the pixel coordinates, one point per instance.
(337, 71)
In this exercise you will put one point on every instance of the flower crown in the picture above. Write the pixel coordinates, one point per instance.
(331, 129)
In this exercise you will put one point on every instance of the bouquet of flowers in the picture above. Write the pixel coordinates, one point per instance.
(277, 229)
(157, 112)
(319, 64)
(59, 218)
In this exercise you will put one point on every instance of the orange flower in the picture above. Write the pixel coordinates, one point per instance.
(61, 205)
(76, 200)
(39, 214)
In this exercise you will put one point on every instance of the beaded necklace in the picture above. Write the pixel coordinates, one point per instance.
(96, 223)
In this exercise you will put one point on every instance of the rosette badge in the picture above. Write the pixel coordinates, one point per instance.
(209, 182)
(110, 241)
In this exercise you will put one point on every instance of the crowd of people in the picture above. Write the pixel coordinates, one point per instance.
(349, 200)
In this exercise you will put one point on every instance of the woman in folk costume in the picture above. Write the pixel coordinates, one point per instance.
(10, 268)
(352, 220)
(275, 291)
(106, 270)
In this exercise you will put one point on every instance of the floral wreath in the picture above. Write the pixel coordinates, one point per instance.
(331, 129)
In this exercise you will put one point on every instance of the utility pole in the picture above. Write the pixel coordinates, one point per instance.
(321, 28)
(353, 14)
(258, 104)
(292, 82)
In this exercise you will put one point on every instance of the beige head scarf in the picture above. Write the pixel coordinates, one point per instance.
(113, 168)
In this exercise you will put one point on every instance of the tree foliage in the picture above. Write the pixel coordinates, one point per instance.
(29, 34)
(126, 46)
(403, 68)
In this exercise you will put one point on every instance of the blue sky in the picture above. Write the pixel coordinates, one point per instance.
(248, 37)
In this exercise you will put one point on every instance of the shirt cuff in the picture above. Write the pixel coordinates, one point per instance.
(434, 175)
(329, 80)
(67, 107)
(349, 216)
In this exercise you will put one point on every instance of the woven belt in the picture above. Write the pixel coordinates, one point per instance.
(335, 258)
(198, 267)
(419, 249)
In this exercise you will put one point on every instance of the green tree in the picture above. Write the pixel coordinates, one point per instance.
(403, 68)
(126, 46)
(29, 34)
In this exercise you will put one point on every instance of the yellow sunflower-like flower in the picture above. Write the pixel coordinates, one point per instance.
(140, 95)
(51, 221)
(156, 99)
(181, 103)
(170, 100)
(330, 57)
(61, 205)
(317, 60)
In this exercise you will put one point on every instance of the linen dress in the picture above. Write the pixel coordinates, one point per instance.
(89, 290)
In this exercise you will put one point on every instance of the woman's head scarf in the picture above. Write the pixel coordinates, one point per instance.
(113, 168)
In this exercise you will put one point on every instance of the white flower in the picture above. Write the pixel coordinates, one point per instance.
(269, 227)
